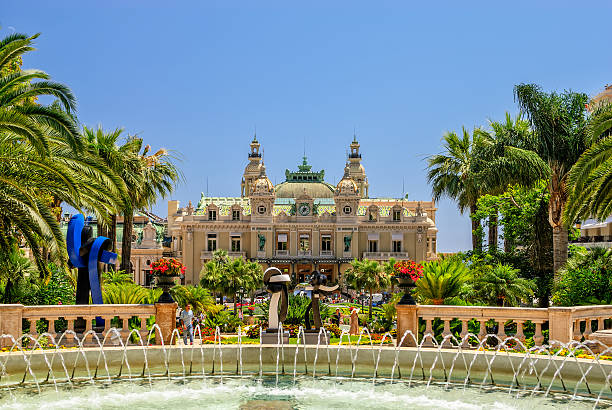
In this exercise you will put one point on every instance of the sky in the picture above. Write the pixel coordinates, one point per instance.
(199, 77)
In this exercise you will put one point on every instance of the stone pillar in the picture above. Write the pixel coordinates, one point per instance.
(407, 319)
(165, 318)
(560, 325)
(10, 323)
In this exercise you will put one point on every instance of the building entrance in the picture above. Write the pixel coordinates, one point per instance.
(303, 272)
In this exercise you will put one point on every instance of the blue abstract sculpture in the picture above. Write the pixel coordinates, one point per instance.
(84, 252)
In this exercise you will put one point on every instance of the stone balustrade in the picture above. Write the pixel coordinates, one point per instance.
(80, 319)
(384, 256)
(564, 324)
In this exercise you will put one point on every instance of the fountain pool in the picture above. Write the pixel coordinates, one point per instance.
(236, 376)
(285, 392)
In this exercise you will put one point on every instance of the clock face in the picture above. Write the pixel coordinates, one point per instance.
(347, 210)
(304, 209)
(261, 209)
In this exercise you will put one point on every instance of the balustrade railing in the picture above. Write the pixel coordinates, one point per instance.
(85, 316)
(385, 255)
(544, 325)
(486, 320)
(82, 320)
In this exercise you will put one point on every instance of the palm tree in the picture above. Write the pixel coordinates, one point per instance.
(159, 174)
(124, 293)
(199, 298)
(368, 275)
(122, 159)
(230, 276)
(495, 147)
(501, 286)
(590, 179)
(559, 126)
(116, 277)
(14, 267)
(43, 162)
(451, 175)
(389, 268)
(442, 280)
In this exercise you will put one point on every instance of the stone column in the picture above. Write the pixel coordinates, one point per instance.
(560, 324)
(165, 318)
(10, 323)
(407, 319)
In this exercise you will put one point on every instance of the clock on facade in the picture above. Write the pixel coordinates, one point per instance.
(261, 209)
(304, 209)
(347, 210)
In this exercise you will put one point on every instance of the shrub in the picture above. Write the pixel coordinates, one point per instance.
(500, 285)
(297, 310)
(124, 293)
(441, 280)
(225, 320)
(253, 332)
(586, 279)
(333, 329)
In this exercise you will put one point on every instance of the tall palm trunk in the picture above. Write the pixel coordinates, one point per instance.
(543, 255)
(556, 203)
(112, 232)
(476, 241)
(493, 232)
(126, 242)
(560, 243)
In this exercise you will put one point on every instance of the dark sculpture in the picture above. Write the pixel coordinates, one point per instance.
(85, 252)
(318, 288)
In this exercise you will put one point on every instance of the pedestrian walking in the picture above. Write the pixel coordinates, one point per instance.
(187, 323)
(354, 322)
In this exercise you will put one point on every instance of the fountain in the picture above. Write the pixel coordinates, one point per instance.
(304, 376)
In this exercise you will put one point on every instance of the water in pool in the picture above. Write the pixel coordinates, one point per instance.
(270, 393)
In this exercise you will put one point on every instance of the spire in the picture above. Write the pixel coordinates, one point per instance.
(347, 170)
(304, 167)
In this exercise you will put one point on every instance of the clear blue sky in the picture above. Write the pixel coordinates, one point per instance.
(197, 78)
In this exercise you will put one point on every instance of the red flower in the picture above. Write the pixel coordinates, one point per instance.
(408, 269)
(167, 267)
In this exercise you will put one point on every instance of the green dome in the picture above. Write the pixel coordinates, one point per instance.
(304, 180)
(313, 189)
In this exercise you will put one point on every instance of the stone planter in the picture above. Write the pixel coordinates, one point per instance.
(406, 284)
(165, 282)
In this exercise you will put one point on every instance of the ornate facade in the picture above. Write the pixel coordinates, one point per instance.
(303, 223)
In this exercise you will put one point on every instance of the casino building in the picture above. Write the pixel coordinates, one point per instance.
(303, 223)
